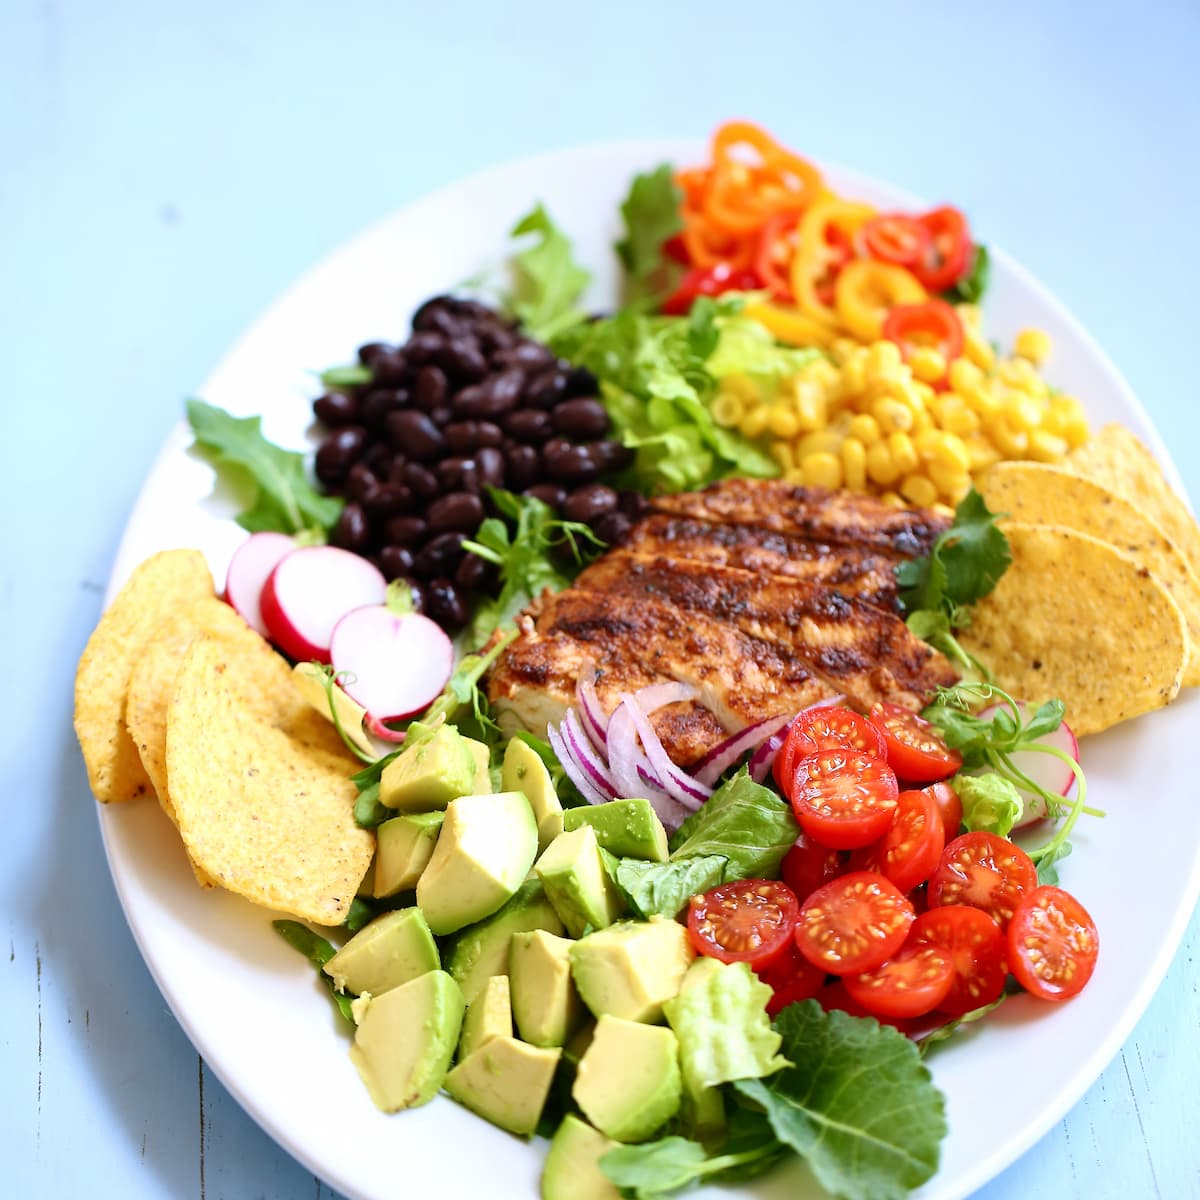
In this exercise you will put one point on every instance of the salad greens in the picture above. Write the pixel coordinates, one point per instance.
(971, 287)
(651, 216)
(548, 281)
(281, 498)
(318, 952)
(990, 802)
(663, 889)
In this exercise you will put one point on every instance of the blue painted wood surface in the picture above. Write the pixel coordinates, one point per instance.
(165, 170)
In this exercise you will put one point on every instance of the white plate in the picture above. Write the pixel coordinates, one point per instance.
(251, 1005)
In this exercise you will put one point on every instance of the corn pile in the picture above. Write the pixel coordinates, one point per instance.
(863, 419)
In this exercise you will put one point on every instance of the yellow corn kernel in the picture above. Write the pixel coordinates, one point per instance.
(1047, 447)
(904, 453)
(979, 350)
(811, 412)
(981, 451)
(1021, 411)
(754, 422)
(881, 467)
(1034, 345)
(905, 391)
(823, 373)
(1069, 406)
(893, 498)
(854, 464)
(865, 428)
(782, 421)
(927, 364)
(840, 349)
(951, 452)
(781, 452)
(971, 315)
(854, 374)
(951, 483)
(741, 386)
(984, 401)
(1023, 376)
(1012, 443)
(891, 415)
(964, 374)
(1076, 431)
(922, 420)
(883, 357)
(794, 475)
(822, 470)
(824, 441)
(727, 409)
(942, 510)
(919, 490)
(959, 419)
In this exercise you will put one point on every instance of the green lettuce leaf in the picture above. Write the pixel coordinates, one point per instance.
(664, 888)
(858, 1105)
(282, 499)
(720, 1018)
(651, 216)
(547, 280)
(989, 802)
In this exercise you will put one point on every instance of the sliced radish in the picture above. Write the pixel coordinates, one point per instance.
(393, 664)
(1045, 769)
(249, 569)
(309, 591)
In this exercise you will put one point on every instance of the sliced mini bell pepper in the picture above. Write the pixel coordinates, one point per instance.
(866, 291)
(896, 238)
(818, 258)
(709, 281)
(948, 255)
(934, 324)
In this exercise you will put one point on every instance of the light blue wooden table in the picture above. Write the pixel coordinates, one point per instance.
(166, 169)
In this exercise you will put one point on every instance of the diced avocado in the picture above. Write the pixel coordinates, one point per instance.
(430, 773)
(628, 1083)
(632, 968)
(572, 1168)
(525, 772)
(388, 952)
(404, 845)
(545, 1003)
(626, 828)
(488, 1016)
(406, 1038)
(481, 951)
(481, 756)
(506, 1082)
(573, 874)
(581, 1039)
(483, 853)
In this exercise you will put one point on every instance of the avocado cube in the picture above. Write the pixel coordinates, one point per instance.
(524, 771)
(430, 773)
(406, 1038)
(577, 883)
(628, 1084)
(633, 968)
(626, 828)
(488, 1016)
(481, 756)
(572, 1168)
(506, 1082)
(483, 854)
(388, 952)
(403, 847)
(545, 1003)
(481, 951)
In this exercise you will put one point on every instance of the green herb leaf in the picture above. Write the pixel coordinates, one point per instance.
(282, 498)
(664, 888)
(858, 1104)
(989, 802)
(318, 952)
(651, 216)
(368, 812)
(971, 287)
(351, 375)
(1047, 867)
(945, 1032)
(548, 281)
(671, 1164)
(361, 913)
(743, 822)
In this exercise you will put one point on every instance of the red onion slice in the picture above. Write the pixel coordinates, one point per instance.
(586, 755)
(718, 760)
(624, 753)
(669, 811)
(577, 775)
(677, 783)
(658, 695)
(763, 758)
(593, 718)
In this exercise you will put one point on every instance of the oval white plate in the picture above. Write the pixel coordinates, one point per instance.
(251, 1005)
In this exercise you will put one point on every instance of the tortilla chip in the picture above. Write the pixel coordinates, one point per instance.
(1076, 618)
(1048, 495)
(1115, 458)
(264, 807)
(163, 584)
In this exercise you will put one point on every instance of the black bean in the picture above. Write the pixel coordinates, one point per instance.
(439, 556)
(396, 470)
(581, 382)
(416, 434)
(361, 481)
(406, 531)
(464, 436)
(472, 571)
(492, 397)
(495, 338)
(389, 367)
(370, 351)
(459, 474)
(380, 458)
(378, 403)
(528, 425)
(423, 346)
(589, 502)
(571, 465)
(424, 316)
(525, 354)
(492, 468)
(422, 480)
(445, 322)
(581, 419)
(351, 531)
(338, 453)
(612, 527)
(395, 561)
(632, 504)
(445, 604)
(552, 494)
(463, 360)
(547, 389)
(430, 388)
(611, 456)
(524, 466)
(336, 408)
(388, 500)
(458, 511)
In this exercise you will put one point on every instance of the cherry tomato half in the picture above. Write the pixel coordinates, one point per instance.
(896, 238)
(843, 798)
(791, 978)
(949, 805)
(1052, 944)
(853, 923)
(974, 943)
(826, 728)
(750, 921)
(949, 249)
(915, 750)
(985, 871)
(808, 865)
(709, 281)
(908, 853)
(913, 982)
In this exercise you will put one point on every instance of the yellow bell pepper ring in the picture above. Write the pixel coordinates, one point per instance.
(867, 290)
(790, 325)
(815, 253)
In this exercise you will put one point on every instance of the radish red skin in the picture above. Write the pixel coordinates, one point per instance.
(309, 591)
(249, 569)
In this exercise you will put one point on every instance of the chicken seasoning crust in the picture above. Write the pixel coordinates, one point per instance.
(765, 596)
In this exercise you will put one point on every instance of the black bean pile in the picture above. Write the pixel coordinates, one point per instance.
(468, 401)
